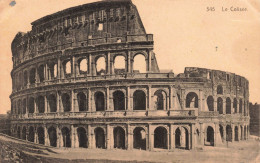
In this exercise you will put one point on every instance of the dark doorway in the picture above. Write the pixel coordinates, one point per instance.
(31, 134)
(100, 138)
(52, 136)
(139, 138)
(66, 137)
(82, 101)
(139, 100)
(178, 138)
(119, 100)
(100, 101)
(236, 133)
(119, 138)
(82, 137)
(210, 136)
(160, 138)
(66, 102)
(40, 135)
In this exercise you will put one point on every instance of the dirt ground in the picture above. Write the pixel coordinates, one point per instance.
(241, 152)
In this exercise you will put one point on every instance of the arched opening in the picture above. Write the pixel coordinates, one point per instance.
(66, 137)
(31, 134)
(139, 100)
(241, 134)
(101, 66)
(119, 65)
(32, 78)
(53, 71)
(235, 105)
(25, 79)
(52, 103)
(210, 103)
(100, 101)
(236, 133)
(221, 132)
(160, 138)
(139, 138)
(52, 136)
(40, 131)
(66, 102)
(245, 133)
(228, 106)
(220, 90)
(24, 106)
(82, 101)
(192, 100)
(160, 100)
(210, 136)
(83, 66)
(24, 133)
(119, 100)
(220, 105)
(41, 104)
(139, 65)
(240, 105)
(31, 105)
(67, 68)
(82, 137)
(41, 73)
(19, 107)
(178, 138)
(19, 132)
(119, 138)
(100, 138)
(229, 133)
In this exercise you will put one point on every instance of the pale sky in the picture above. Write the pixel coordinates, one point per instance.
(185, 35)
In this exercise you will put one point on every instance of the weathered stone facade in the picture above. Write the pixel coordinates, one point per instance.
(61, 99)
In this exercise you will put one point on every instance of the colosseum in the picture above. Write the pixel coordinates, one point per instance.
(62, 98)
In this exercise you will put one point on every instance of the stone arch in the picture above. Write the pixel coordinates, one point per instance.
(139, 99)
(139, 141)
(41, 73)
(52, 103)
(41, 104)
(220, 89)
(161, 138)
(25, 78)
(210, 103)
(119, 64)
(182, 138)
(160, 101)
(229, 133)
(235, 105)
(139, 65)
(192, 100)
(82, 101)
(32, 76)
(65, 131)
(67, 67)
(100, 137)
(119, 100)
(101, 65)
(240, 106)
(41, 136)
(209, 136)
(83, 65)
(119, 137)
(52, 136)
(31, 134)
(82, 137)
(100, 101)
(220, 105)
(66, 102)
(24, 133)
(31, 105)
(228, 106)
(236, 133)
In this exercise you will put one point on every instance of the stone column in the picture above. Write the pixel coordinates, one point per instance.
(129, 137)
(73, 72)
(59, 69)
(72, 101)
(216, 132)
(46, 104)
(90, 140)
(94, 69)
(129, 108)
(193, 137)
(172, 137)
(46, 136)
(224, 106)
(59, 137)
(129, 64)
(35, 105)
(183, 98)
(36, 75)
(107, 99)
(233, 132)
(202, 132)
(238, 132)
(242, 135)
(224, 133)
(35, 136)
(89, 100)
(58, 102)
(201, 99)
(90, 65)
(150, 60)
(171, 98)
(109, 141)
(46, 77)
(151, 137)
(149, 98)
(72, 132)
(108, 66)
(215, 104)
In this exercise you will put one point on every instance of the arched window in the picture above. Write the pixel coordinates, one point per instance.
(160, 100)
(82, 101)
(139, 138)
(139, 65)
(160, 138)
(24, 106)
(83, 65)
(41, 73)
(119, 137)
(235, 105)
(139, 100)
(24, 133)
(119, 100)
(25, 78)
(66, 102)
(31, 134)
(228, 106)
(52, 136)
(101, 66)
(210, 103)
(100, 138)
(53, 71)
(192, 100)
(236, 133)
(119, 65)
(82, 137)
(52, 103)
(41, 104)
(67, 67)
(31, 105)
(32, 78)
(40, 132)
(210, 136)
(220, 90)
(19, 107)
(66, 137)
(228, 133)
(221, 132)
(220, 105)
(240, 105)
(100, 101)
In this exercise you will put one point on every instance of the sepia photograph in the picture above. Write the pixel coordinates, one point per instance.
(130, 81)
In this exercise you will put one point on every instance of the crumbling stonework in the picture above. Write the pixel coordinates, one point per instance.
(61, 99)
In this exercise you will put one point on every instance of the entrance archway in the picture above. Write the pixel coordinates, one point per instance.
(52, 136)
(31, 134)
(210, 136)
(66, 137)
(119, 138)
(40, 131)
(160, 138)
(82, 137)
(139, 138)
(100, 138)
